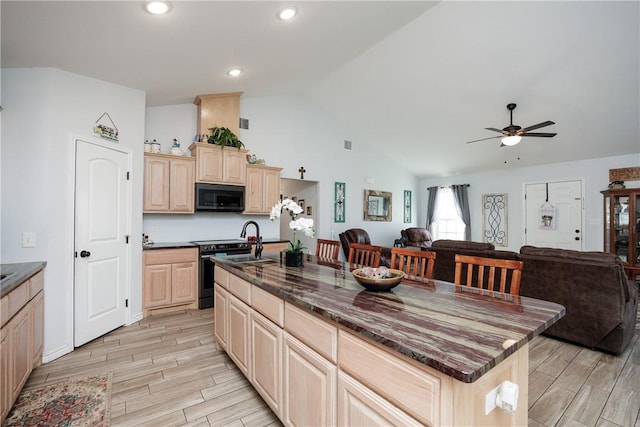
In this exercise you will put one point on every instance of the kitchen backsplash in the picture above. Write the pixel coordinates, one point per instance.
(204, 226)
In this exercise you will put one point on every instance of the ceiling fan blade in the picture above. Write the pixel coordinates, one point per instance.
(484, 139)
(495, 130)
(538, 126)
(540, 134)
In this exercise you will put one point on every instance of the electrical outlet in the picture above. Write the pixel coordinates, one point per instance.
(490, 400)
(28, 239)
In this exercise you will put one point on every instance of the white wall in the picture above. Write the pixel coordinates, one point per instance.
(45, 109)
(289, 132)
(593, 173)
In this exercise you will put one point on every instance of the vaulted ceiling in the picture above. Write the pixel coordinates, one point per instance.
(414, 80)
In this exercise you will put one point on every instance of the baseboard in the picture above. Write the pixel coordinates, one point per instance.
(53, 355)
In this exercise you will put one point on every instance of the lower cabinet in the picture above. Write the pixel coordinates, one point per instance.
(238, 339)
(358, 405)
(266, 360)
(221, 298)
(170, 279)
(309, 386)
(21, 338)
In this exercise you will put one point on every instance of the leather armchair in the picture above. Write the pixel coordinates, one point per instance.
(416, 236)
(358, 235)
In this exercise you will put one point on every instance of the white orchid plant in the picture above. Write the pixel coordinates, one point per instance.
(297, 223)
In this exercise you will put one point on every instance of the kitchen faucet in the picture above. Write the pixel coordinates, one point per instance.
(243, 233)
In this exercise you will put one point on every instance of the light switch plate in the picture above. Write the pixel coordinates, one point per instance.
(28, 239)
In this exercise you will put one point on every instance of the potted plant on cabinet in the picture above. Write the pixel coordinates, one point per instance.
(224, 137)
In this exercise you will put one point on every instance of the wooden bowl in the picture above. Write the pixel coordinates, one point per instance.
(379, 285)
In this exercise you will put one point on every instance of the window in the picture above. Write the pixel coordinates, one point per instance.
(447, 223)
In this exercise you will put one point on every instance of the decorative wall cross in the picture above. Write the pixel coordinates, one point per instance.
(302, 170)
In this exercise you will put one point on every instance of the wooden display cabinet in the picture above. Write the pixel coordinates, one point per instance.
(622, 227)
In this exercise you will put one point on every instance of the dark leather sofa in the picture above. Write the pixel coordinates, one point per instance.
(358, 235)
(416, 236)
(601, 303)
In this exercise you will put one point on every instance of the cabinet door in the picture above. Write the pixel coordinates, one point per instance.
(156, 184)
(253, 196)
(266, 360)
(21, 340)
(37, 309)
(220, 317)
(209, 167)
(309, 386)
(271, 187)
(235, 166)
(157, 285)
(5, 378)
(184, 279)
(359, 406)
(182, 186)
(238, 338)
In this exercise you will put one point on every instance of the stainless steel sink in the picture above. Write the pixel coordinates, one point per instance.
(248, 259)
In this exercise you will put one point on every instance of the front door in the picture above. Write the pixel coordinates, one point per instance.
(554, 214)
(101, 266)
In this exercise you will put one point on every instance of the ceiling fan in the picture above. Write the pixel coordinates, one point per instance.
(512, 134)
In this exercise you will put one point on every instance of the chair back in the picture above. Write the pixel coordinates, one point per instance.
(488, 273)
(327, 248)
(416, 264)
(361, 254)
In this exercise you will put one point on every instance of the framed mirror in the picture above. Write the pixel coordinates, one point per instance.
(377, 205)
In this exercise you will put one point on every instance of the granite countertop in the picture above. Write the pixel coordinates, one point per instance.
(17, 273)
(458, 331)
(169, 245)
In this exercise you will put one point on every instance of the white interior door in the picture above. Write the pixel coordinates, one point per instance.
(562, 201)
(101, 266)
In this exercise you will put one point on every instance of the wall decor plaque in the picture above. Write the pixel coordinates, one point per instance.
(624, 174)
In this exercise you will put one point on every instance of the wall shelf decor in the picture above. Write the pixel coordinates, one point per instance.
(494, 219)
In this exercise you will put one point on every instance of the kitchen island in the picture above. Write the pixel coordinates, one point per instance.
(323, 351)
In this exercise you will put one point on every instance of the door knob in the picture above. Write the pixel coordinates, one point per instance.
(577, 231)
(84, 254)
(577, 238)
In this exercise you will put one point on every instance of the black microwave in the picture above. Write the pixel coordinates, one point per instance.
(219, 197)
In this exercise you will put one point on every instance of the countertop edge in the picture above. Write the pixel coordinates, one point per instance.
(20, 272)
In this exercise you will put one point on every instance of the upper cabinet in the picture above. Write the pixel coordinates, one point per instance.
(262, 189)
(219, 165)
(168, 184)
(220, 109)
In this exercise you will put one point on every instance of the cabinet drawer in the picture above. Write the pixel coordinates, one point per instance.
(268, 305)
(240, 288)
(411, 389)
(18, 298)
(221, 277)
(313, 331)
(36, 284)
(170, 256)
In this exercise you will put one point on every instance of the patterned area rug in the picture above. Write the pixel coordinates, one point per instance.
(81, 401)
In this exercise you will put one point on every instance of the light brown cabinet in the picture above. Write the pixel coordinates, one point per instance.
(170, 279)
(622, 227)
(238, 339)
(168, 184)
(262, 190)
(21, 338)
(218, 109)
(217, 165)
(266, 360)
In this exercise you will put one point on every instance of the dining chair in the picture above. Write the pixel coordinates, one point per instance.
(327, 248)
(484, 273)
(416, 264)
(364, 255)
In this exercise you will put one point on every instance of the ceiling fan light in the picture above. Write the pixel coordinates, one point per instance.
(511, 140)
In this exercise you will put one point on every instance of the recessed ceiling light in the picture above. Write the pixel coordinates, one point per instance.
(287, 13)
(234, 72)
(157, 7)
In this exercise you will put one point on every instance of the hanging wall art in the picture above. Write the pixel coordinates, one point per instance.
(494, 219)
(339, 195)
